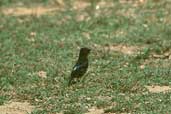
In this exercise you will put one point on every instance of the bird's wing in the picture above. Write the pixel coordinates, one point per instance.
(79, 66)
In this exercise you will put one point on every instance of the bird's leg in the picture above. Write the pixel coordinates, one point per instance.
(70, 81)
(83, 78)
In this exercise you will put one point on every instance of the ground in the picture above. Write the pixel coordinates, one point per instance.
(129, 68)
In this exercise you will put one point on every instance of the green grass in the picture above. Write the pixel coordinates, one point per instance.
(54, 49)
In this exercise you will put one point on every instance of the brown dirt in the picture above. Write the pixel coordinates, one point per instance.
(158, 89)
(42, 74)
(125, 49)
(95, 110)
(19, 11)
(41, 10)
(80, 4)
(16, 108)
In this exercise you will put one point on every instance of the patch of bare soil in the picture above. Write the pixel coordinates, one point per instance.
(158, 89)
(95, 110)
(80, 4)
(19, 11)
(125, 49)
(165, 55)
(42, 74)
(155, 59)
(16, 108)
(134, 2)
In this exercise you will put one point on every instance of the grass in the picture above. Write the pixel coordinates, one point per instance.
(50, 43)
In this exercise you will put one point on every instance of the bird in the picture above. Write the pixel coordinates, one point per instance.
(81, 65)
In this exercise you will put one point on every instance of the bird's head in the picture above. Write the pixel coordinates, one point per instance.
(84, 51)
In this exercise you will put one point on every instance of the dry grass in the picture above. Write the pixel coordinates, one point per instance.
(16, 108)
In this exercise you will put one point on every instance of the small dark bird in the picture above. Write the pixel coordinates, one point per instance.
(81, 65)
